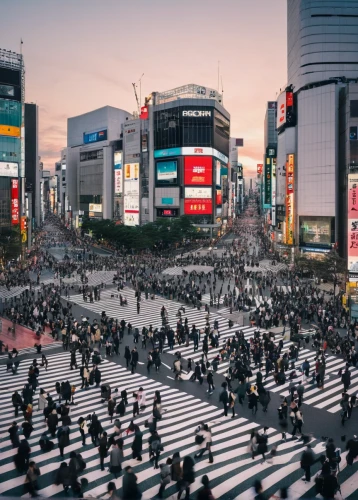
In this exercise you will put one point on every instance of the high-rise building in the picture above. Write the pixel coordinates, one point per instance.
(12, 157)
(321, 81)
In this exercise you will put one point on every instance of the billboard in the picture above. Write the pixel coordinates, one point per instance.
(95, 207)
(268, 183)
(131, 209)
(218, 172)
(219, 198)
(198, 192)
(23, 229)
(131, 171)
(191, 151)
(260, 167)
(273, 191)
(118, 173)
(284, 110)
(352, 223)
(131, 137)
(9, 169)
(198, 207)
(198, 170)
(89, 137)
(15, 213)
(10, 131)
(167, 172)
(290, 173)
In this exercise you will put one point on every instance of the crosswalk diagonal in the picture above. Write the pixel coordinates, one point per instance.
(230, 475)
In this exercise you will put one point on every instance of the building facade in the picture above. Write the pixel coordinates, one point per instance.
(322, 72)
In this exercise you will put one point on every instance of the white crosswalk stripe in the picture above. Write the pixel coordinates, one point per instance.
(231, 475)
(30, 350)
(150, 314)
(14, 291)
(94, 279)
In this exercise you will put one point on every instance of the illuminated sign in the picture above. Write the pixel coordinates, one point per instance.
(196, 113)
(9, 169)
(167, 172)
(15, 213)
(131, 171)
(167, 212)
(268, 183)
(290, 173)
(167, 201)
(260, 167)
(198, 170)
(101, 135)
(23, 229)
(10, 131)
(144, 113)
(273, 191)
(118, 173)
(284, 109)
(219, 199)
(352, 222)
(198, 207)
(198, 192)
(191, 151)
(95, 207)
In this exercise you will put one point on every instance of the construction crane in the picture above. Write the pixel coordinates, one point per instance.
(136, 96)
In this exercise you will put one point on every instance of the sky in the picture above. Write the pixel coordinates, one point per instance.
(84, 54)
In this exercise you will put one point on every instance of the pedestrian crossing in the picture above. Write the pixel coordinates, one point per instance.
(94, 279)
(173, 271)
(32, 350)
(328, 399)
(14, 291)
(231, 475)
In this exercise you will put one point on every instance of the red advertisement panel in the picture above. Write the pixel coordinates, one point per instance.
(15, 214)
(289, 99)
(260, 167)
(198, 170)
(219, 199)
(199, 206)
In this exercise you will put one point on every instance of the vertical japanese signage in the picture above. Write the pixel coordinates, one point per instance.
(352, 222)
(259, 168)
(118, 180)
(273, 191)
(290, 174)
(15, 213)
(23, 228)
(268, 183)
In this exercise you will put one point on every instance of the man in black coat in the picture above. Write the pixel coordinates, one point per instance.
(130, 487)
(17, 402)
(97, 377)
(134, 359)
(224, 398)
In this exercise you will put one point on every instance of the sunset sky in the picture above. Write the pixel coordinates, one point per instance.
(84, 54)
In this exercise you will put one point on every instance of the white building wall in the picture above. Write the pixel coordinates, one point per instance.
(317, 151)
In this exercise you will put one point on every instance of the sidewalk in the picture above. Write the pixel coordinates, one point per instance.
(22, 338)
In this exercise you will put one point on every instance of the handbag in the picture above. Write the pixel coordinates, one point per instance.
(199, 439)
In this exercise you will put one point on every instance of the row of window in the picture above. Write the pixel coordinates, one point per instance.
(92, 155)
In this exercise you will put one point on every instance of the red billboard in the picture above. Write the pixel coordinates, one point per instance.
(260, 167)
(15, 213)
(219, 199)
(198, 170)
(198, 206)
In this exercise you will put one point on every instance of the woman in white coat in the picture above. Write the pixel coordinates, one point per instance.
(42, 400)
(142, 398)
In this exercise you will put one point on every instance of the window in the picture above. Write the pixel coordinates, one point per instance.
(354, 109)
(91, 155)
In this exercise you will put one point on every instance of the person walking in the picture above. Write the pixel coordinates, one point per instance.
(14, 435)
(102, 449)
(346, 379)
(63, 436)
(188, 476)
(300, 391)
(137, 443)
(17, 402)
(297, 423)
(116, 458)
(52, 421)
(130, 490)
(63, 477)
(134, 359)
(32, 475)
(224, 398)
(205, 492)
(127, 355)
(203, 440)
(307, 460)
(210, 380)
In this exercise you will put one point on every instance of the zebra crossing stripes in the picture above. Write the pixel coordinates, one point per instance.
(173, 271)
(14, 291)
(232, 466)
(30, 350)
(94, 279)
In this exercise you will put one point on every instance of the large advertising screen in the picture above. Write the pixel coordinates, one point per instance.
(198, 207)
(315, 230)
(290, 173)
(273, 191)
(9, 169)
(15, 213)
(131, 194)
(198, 170)
(352, 222)
(268, 183)
(131, 210)
(167, 172)
(118, 173)
(198, 192)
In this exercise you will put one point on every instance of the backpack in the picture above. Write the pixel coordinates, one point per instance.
(155, 445)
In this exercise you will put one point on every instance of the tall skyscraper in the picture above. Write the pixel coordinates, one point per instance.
(322, 43)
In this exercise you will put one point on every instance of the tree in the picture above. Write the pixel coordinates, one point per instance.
(333, 268)
(10, 243)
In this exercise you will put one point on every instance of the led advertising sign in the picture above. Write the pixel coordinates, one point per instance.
(268, 182)
(273, 191)
(131, 210)
(131, 171)
(95, 207)
(90, 137)
(219, 199)
(352, 222)
(290, 173)
(10, 131)
(260, 167)
(118, 173)
(284, 110)
(167, 172)
(198, 207)
(15, 214)
(167, 212)
(198, 170)
(9, 169)
(198, 192)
